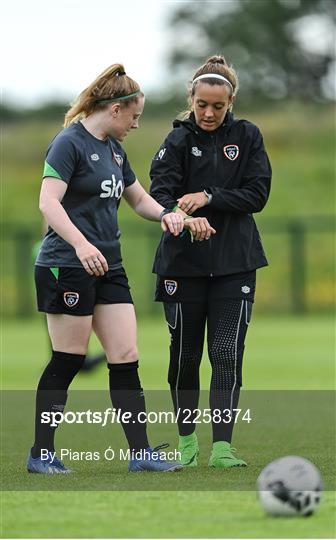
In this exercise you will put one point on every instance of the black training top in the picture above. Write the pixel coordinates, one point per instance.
(96, 172)
(231, 164)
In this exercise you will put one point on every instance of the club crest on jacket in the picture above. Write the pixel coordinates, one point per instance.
(231, 151)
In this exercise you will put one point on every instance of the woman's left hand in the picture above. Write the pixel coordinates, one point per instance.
(172, 222)
(190, 202)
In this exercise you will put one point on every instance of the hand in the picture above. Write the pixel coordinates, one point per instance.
(190, 202)
(172, 222)
(92, 260)
(200, 228)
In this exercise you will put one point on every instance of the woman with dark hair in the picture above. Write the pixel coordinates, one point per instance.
(215, 166)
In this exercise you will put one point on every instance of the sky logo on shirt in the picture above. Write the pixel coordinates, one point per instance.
(94, 157)
(111, 188)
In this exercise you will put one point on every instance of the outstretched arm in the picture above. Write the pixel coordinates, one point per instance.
(145, 206)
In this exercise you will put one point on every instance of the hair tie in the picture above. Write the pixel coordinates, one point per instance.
(117, 98)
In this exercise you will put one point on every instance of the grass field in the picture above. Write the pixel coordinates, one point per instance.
(103, 501)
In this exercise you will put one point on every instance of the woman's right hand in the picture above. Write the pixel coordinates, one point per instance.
(199, 227)
(92, 259)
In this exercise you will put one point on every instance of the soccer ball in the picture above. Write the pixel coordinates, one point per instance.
(290, 486)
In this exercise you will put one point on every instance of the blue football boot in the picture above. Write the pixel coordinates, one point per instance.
(46, 466)
(151, 461)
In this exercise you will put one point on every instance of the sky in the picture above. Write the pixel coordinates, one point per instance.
(56, 48)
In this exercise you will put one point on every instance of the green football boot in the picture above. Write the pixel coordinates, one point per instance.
(188, 448)
(222, 456)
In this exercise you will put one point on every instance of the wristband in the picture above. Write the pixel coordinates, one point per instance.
(175, 208)
(164, 212)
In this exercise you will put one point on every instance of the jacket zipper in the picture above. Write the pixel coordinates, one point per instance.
(215, 161)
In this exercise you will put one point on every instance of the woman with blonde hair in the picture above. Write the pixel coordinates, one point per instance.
(215, 166)
(80, 281)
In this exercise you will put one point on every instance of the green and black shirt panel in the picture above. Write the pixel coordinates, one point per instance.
(96, 173)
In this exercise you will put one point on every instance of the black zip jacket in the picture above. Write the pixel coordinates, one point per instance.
(231, 164)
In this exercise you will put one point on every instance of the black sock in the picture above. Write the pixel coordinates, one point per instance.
(51, 395)
(127, 396)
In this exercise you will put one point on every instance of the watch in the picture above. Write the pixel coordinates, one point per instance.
(208, 195)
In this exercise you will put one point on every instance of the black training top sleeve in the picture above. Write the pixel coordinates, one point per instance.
(255, 187)
(167, 173)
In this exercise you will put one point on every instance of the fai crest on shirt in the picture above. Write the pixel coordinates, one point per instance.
(118, 158)
(71, 298)
(231, 151)
(170, 286)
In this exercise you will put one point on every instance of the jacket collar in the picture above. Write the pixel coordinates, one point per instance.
(190, 124)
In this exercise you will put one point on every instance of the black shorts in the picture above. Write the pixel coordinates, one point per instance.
(73, 291)
(239, 286)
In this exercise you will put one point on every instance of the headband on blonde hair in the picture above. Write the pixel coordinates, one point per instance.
(117, 98)
(213, 76)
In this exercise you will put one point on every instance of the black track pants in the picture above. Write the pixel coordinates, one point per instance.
(227, 322)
